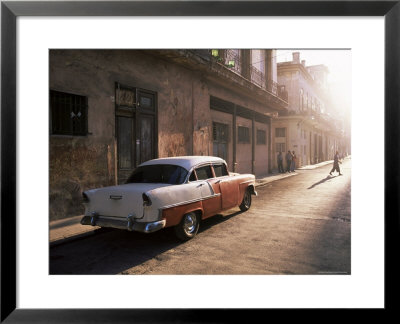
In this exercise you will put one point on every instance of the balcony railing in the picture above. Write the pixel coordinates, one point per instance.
(258, 77)
(282, 93)
(272, 87)
(232, 60)
(233, 56)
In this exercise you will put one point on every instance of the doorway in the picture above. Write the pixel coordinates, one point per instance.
(220, 140)
(136, 128)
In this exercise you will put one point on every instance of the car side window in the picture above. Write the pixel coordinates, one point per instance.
(192, 176)
(204, 172)
(220, 170)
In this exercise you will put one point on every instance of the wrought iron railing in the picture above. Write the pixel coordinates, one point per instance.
(282, 93)
(272, 87)
(258, 78)
(233, 56)
(231, 59)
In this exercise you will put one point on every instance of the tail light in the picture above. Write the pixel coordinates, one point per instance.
(146, 200)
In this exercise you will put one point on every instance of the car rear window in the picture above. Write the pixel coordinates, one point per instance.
(161, 173)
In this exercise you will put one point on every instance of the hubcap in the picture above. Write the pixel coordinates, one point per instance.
(190, 223)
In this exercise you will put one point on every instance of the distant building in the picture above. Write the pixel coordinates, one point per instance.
(111, 110)
(308, 126)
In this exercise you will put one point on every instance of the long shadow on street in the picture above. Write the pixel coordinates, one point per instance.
(114, 251)
(328, 177)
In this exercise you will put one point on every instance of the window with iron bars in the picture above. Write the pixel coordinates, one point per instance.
(280, 132)
(243, 134)
(220, 140)
(280, 147)
(261, 136)
(220, 132)
(68, 114)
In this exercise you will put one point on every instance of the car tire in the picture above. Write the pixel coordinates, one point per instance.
(246, 202)
(188, 226)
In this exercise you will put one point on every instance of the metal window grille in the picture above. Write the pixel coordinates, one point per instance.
(280, 132)
(220, 132)
(68, 113)
(243, 134)
(261, 136)
(280, 147)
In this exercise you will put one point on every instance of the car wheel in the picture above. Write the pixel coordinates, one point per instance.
(246, 202)
(188, 226)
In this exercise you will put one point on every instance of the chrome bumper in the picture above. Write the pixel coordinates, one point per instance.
(127, 223)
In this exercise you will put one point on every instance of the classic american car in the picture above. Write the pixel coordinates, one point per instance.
(165, 192)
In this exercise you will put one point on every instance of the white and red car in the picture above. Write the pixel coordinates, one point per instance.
(177, 191)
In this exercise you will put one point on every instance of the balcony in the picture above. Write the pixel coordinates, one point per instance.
(258, 78)
(231, 59)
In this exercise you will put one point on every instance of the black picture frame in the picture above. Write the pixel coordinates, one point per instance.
(10, 10)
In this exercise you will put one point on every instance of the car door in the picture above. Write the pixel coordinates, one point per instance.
(228, 186)
(211, 203)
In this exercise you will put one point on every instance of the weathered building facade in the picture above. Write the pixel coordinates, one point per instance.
(307, 127)
(111, 110)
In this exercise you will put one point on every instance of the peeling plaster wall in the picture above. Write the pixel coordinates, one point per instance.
(184, 118)
(78, 163)
(202, 124)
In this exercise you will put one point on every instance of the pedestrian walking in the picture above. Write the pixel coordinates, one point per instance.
(288, 161)
(280, 162)
(293, 165)
(336, 164)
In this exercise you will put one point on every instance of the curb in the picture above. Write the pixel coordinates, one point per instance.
(75, 237)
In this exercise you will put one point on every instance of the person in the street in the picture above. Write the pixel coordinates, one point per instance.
(288, 161)
(293, 165)
(336, 164)
(280, 162)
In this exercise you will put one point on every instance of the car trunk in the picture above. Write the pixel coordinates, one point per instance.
(119, 201)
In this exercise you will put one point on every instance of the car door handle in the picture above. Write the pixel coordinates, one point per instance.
(201, 184)
(218, 181)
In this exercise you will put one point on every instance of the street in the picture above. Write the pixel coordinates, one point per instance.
(297, 225)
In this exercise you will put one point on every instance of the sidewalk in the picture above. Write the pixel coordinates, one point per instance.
(314, 166)
(68, 229)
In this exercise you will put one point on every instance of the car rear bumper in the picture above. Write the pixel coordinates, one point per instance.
(127, 223)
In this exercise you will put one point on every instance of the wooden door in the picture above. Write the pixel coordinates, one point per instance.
(136, 128)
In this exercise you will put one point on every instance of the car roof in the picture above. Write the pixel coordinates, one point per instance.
(186, 162)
